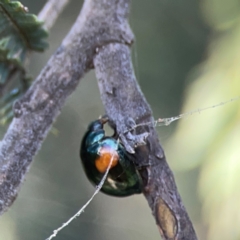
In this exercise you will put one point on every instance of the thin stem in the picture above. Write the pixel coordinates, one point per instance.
(51, 11)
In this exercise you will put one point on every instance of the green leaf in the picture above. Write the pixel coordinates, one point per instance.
(24, 29)
(20, 33)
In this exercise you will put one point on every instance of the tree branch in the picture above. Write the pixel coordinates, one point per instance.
(100, 22)
(50, 12)
(126, 107)
(100, 33)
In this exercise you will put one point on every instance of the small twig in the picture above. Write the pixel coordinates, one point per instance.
(50, 12)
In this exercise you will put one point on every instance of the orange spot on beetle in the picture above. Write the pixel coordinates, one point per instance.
(105, 157)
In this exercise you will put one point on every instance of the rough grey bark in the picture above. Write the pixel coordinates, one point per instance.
(127, 107)
(100, 37)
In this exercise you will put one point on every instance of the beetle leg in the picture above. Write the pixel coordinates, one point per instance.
(103, 119)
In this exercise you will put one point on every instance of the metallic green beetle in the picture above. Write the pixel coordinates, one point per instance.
(97, 151)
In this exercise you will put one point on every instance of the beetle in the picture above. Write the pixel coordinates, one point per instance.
(98, 151)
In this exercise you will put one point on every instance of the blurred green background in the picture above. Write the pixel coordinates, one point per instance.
(186, 56)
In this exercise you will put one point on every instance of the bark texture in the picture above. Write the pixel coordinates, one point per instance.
(127, 107)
